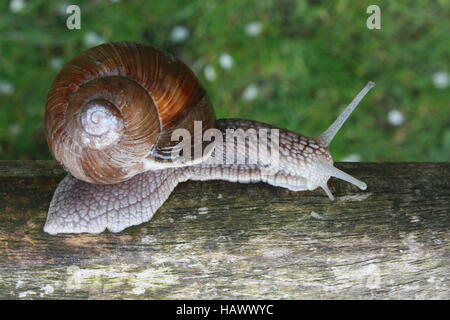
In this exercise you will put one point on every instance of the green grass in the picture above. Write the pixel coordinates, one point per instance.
(310, 59)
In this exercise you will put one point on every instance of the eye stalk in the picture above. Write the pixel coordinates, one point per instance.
(328, 135)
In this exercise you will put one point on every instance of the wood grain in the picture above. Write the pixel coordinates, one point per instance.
(219, 240)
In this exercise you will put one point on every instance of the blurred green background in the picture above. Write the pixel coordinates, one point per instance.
(294, 64)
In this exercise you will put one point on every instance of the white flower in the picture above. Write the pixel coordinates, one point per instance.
(6, 88)
(210, 73)
(253, 28)
(441, 79)
(395, 117)
(16, 5)
(353, 157)
(250, 92)
(93, 39)
(179, 34)
(225, 61)
(15, 129)
(56, 63)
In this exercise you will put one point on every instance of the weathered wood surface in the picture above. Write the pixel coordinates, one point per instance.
(219, 240)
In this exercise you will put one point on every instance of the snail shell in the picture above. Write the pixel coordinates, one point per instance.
(115, 106)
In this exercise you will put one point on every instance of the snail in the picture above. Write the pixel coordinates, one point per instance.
(113, 120)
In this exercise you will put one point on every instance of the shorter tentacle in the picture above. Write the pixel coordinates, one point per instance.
(327, 191)
(329, 170)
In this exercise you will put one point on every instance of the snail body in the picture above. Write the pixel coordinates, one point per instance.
(110, 119)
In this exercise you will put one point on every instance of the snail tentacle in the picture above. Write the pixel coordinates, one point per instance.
(328, 136)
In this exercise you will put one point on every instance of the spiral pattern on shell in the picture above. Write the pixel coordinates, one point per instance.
(116, 105)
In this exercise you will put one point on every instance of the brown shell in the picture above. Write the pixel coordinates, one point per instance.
(151, 93)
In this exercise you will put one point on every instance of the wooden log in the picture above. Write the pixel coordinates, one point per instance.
(219, 240)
